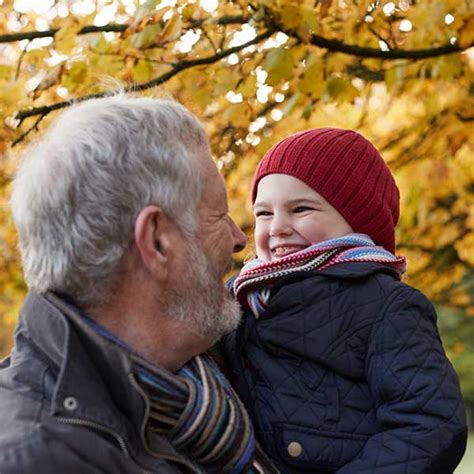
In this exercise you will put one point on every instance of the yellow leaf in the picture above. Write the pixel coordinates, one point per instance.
(458, 348)
(305, 21)
(466, 33)
(248, 87)
(225, 79)
(449, 66)
(312, 80)
(394, 77)
(291, 104)
(36, 57)
(189, 11)
(142, 71)
(6, 72)
(290, 16)
(172, 29)
(65, 38)
(363, 6)
(76, 75)
(309, 24)
(465, 248)
(51, 78)
(148, 36)
(202, 97)
(238, 114)
(325, 5)
(341, 90)
(279, 65)
(145, 10)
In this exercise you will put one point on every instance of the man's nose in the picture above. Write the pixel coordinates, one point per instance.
(279, 225)
(240, 239)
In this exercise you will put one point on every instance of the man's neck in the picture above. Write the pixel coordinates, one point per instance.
(149, 333)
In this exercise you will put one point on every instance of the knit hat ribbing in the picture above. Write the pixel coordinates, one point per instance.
(347, 170)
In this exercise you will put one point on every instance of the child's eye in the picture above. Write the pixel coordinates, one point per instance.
(299, 209)
(263, 213)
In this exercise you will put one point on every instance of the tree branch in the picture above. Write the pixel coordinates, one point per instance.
(175, 69)
(354, 50)
(24, 134)
(329, 44)
(111, 27)
(31, 35)
(464, 118)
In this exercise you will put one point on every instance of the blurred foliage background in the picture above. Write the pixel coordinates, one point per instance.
(400, 72)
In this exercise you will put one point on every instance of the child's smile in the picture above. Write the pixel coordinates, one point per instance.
(290, 216)
(280, 251)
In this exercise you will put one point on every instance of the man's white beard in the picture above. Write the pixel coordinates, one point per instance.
(200, 299)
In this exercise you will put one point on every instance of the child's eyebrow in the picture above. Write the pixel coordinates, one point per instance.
(304, 200)
(259, 204)
(293, 202)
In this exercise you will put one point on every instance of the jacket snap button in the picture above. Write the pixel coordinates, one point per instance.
(70, 403)
(295, 449)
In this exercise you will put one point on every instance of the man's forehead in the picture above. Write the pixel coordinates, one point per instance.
(208, 167)
(214, 194)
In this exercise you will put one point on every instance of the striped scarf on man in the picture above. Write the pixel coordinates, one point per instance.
(199, 412)
(253, 285)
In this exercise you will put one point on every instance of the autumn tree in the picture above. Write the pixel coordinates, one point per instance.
(255, 71)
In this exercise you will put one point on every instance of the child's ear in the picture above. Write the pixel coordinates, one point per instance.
(153, 239)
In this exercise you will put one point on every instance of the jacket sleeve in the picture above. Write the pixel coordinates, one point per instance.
(76, 451)
(417, 394)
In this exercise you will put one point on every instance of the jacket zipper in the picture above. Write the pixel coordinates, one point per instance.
(90, 424)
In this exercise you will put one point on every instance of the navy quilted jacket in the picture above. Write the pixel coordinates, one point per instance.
(345, 372)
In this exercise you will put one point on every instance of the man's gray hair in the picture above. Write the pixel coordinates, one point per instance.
(80, 188)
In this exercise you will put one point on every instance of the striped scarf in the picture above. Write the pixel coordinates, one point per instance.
(198, 411)
(253, 285)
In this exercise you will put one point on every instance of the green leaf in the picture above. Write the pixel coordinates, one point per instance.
(307, 111)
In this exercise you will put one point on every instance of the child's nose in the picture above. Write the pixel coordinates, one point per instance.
(280, 226)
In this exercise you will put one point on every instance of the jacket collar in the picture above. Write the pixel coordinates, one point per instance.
(351, 270)
(90, 369)
(344, 271)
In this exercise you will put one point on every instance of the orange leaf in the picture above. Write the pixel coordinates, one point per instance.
(325, 6)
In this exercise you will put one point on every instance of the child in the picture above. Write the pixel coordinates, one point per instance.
(338, 362)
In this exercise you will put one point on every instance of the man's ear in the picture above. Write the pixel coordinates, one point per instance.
(153, 238)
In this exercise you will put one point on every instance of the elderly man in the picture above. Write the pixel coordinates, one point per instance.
(125, 237)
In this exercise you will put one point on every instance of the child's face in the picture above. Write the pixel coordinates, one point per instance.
(290, 216)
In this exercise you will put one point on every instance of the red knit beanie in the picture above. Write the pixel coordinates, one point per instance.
(347, 170)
